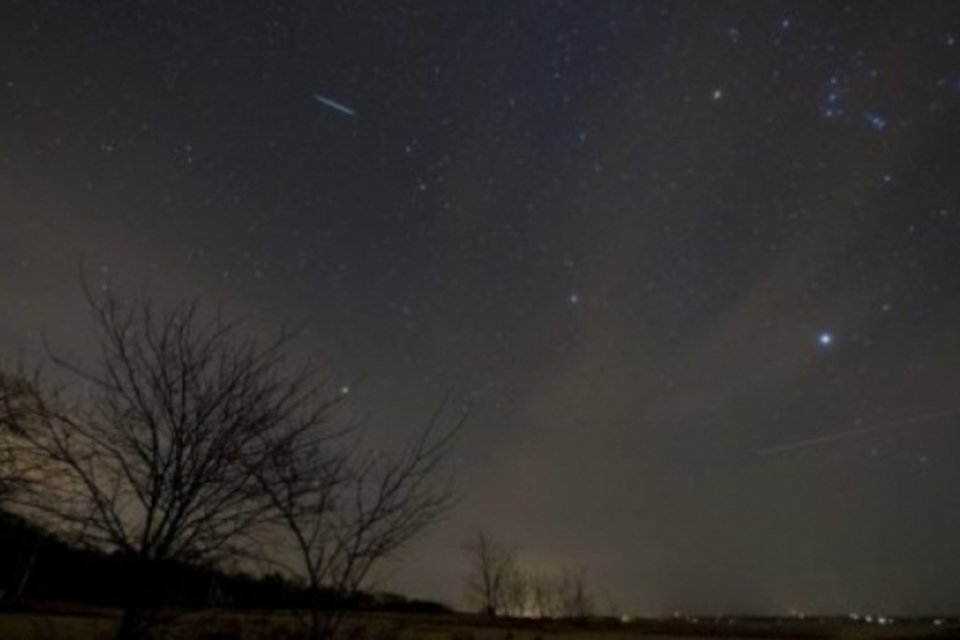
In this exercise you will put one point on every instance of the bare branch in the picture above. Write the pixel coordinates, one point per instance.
(160, 448)
(346, 509)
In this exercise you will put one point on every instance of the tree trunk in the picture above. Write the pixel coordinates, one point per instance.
(131, 624)
(314, 622)
(136, 611)
(323, 623)
(313, 601)
(24, 577)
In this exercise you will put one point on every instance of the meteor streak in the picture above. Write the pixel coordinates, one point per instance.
(813, 442)
(333, 104)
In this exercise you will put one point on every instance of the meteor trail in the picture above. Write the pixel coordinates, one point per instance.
(333, 104)
(803, 444)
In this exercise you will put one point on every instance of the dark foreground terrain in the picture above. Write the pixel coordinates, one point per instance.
(65, 622)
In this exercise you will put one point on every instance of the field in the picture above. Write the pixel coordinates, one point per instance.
(94, 624)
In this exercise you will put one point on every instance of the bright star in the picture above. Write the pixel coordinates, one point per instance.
(825, 339)
(876, 121)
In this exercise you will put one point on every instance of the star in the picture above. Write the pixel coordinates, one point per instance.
(825, 339)
(875, 121)
(831, 106)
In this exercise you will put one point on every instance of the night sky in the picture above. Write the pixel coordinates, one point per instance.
(654, 243)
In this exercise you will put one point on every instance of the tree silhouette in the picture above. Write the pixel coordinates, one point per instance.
(498, 586)
(346, 508)
(14, 470)
(156, 450)
(492, 567)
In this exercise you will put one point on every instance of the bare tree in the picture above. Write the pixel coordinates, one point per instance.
(544, 601)
(574, 598)
(347, 509)
(498, 585)
(155, 451)
(9, 479)
(516, 593)
(492, 565)
(13, 470)
(16, 472)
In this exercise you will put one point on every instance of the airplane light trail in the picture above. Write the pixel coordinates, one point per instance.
(333, 104)
(803, 444)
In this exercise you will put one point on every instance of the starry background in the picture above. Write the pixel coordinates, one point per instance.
(651, 242)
